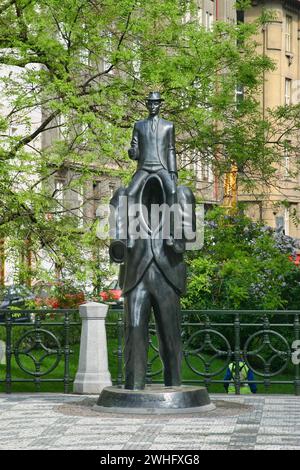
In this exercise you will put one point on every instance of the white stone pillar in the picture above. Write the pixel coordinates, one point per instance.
(2, 352)
(93, 374)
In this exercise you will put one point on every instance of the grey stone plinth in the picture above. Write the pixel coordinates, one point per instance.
(93, 374)
(155, 400)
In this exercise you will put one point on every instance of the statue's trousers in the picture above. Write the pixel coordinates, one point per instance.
(152, 291)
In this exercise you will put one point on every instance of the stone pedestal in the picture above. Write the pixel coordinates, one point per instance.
(93, 374)
(155, 399)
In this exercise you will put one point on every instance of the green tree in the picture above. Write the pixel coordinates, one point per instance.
(78, 71)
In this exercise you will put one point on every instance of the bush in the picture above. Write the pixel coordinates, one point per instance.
(59, 295)
(243, 265)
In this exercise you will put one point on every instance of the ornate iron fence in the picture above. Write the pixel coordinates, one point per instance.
(37, 346)
(213, 339)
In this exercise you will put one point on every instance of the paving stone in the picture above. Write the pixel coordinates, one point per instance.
(29, 421)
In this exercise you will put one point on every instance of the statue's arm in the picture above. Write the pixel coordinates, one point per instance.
(133, 152)
(172, 164)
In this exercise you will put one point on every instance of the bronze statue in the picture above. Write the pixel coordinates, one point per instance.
(153, 146)
(153, 272)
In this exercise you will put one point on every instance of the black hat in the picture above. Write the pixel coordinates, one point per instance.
(154, 96)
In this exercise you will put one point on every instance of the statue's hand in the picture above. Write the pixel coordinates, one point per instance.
(132, 154)
(174, 177)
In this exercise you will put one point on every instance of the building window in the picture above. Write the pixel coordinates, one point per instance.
(207, 172)
(209, 21)
(186, 18)
(279, 222)
(200, 15)
(287, 161)
(288, 33)
(288, 91)
(204, 171)
(185, 162)
(80, 205)
(59, 123)
(286, 221)
(59, 190)
(106, 64)
(283, 222)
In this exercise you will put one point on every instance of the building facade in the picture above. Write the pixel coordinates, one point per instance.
(212, 10)
(279, 39)
(208, 186)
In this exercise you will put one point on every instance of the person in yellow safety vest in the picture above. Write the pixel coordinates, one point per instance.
(246, 374)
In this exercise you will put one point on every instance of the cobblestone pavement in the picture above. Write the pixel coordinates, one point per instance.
(54, 421)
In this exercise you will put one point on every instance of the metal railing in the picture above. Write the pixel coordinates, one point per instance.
(37, 346)
(211, 341)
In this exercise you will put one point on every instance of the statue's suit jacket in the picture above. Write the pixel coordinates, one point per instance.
(145, 251)
(136, 260)
(164, 144)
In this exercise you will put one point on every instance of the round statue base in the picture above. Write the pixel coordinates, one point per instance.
(155, 399)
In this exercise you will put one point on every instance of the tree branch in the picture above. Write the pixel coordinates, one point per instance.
(22, 24)
(30, 137)
(121, 39)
